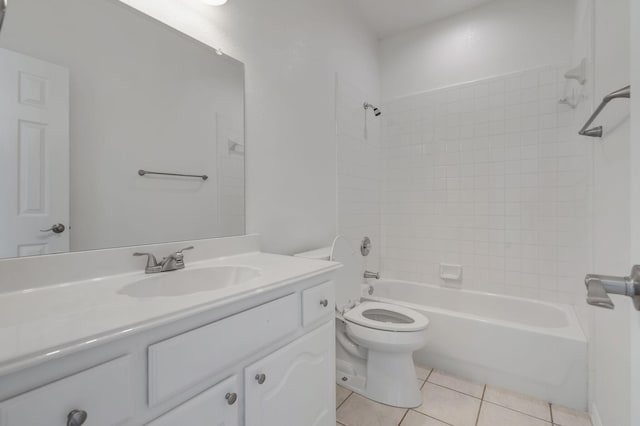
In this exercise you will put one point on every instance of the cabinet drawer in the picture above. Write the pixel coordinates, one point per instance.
(318, 302)
(181, 362)
(215, 406)
(103, 392)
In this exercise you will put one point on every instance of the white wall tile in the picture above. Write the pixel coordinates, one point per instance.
(497, 184)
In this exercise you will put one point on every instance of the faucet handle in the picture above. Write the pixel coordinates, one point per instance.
(152, 262)
(179, 256)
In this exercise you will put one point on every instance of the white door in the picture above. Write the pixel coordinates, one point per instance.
(295, 385)
(34, 156)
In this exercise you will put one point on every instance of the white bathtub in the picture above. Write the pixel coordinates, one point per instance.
(531, 347)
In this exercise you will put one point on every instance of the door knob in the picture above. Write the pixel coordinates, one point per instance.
(324, 303)
(76, 418)
(260, 378)
(58, 228)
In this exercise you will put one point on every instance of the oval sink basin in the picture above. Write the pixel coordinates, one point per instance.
(190, 281)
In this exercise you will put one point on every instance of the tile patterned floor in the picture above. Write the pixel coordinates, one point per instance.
(452, 401)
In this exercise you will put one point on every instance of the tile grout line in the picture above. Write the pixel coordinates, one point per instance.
(345, 400)
(430, 417)
(518, 411)
(484, 389)
(403, 417)
(454, 390)
(479, 409)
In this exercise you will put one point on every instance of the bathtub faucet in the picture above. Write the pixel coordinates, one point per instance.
(369, 274)
(600, 286)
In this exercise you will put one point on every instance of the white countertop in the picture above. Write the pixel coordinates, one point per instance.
(48, 322)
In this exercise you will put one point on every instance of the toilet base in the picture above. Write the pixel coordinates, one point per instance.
(390, 379)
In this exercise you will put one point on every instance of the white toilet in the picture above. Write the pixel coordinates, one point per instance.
(374, 341)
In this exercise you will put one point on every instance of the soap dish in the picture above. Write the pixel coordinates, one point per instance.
(449, 272)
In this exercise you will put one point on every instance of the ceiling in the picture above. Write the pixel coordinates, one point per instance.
(386, 17)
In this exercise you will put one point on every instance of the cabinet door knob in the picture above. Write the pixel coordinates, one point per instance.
(76, 418)
(324, 303)
(231, 398)
(260, 378)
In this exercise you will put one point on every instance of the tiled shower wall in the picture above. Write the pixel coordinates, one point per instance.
(359, 171)
(490, 176)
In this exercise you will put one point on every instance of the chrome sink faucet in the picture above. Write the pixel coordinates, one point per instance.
(173, 262)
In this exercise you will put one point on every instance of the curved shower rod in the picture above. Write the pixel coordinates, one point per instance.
(596, 132)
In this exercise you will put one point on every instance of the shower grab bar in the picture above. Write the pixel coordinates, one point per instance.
(596, 132)
(146, 172)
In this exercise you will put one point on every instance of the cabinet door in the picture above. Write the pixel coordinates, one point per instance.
(295, 385)
(217, 406)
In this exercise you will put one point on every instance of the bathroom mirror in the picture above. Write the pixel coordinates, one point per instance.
(96, 98)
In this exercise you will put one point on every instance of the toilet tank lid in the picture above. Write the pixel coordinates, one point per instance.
(323, 253)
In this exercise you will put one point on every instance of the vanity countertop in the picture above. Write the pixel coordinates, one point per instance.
(47, 322)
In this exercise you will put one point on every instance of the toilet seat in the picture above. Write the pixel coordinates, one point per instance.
(386, 317)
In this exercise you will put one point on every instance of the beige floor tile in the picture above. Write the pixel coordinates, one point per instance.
(414, 418)
(448, 405)
(359, 411)
(341, 394)
(422, 373)
(525, 404)
(563, 416)
(456, 383)
(495, 415)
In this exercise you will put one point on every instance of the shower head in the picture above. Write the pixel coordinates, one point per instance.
(367, 105)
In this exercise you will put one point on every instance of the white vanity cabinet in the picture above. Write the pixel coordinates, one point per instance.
(264, 360)
(290, 387)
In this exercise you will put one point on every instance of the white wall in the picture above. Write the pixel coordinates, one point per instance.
(603, 37)
(493, 39)
(292, 50)
(634, 354)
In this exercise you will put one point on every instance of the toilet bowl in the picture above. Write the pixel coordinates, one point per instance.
(374, 341)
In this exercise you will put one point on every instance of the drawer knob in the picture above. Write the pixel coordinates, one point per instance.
(260, 378)
(76, 418)
(324, 303)
(231, 398)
